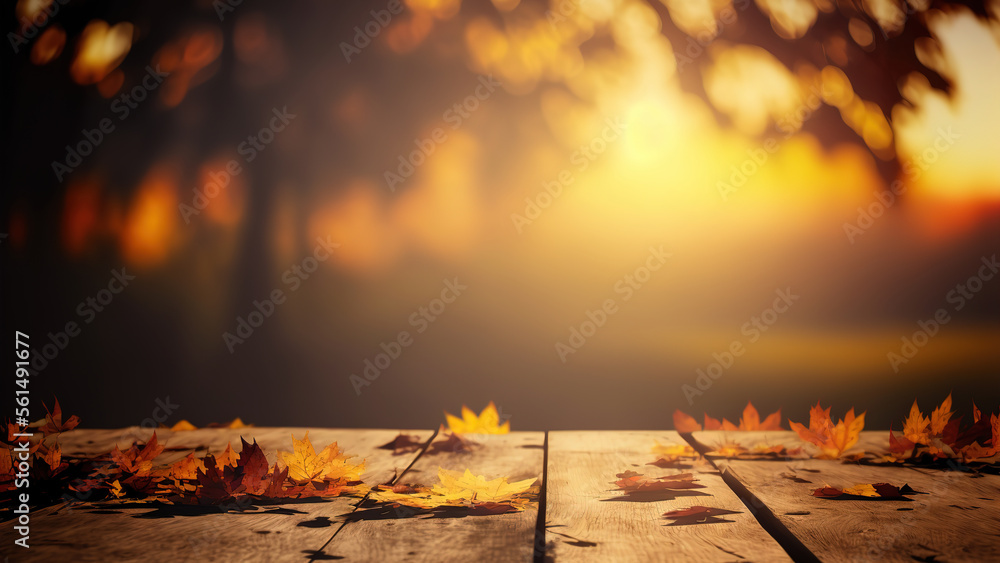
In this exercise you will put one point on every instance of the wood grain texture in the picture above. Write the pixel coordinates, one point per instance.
(290, 532)
(587, 519)
(955, 519)
(500, 537)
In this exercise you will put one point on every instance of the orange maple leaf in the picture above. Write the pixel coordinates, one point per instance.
(749, 421)
(187, 468)
(940, 416)
(832, 439)
(684, 423)
(183, 426)
(135, 460)
(916, 426)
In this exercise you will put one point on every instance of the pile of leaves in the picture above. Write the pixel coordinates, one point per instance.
(749, 422)
(134, 475)
(941, 437)
(459, 490)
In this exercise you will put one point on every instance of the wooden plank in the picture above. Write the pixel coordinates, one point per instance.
(953, 519)
(290, 532)
(499, 537)
(585, 520)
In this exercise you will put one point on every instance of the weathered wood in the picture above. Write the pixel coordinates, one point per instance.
(500, 537)
(953, 519)
(587, 519)
(121, 532)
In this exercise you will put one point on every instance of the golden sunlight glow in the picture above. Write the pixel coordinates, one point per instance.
(768, 91)
(100, 50)
(150, 223)
(790, 18)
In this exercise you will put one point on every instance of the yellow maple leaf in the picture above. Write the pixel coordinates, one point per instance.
(459, 489)
(488, 421)
(183, 426)
(866, 490)
(673, 452)
(329, 465)
(116, 489)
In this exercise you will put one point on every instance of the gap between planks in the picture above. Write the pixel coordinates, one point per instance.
(420, 454)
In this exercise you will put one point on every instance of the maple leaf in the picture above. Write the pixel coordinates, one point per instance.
(900, 448)
(137, 461)
(460, 489)
(865, 490)
(54, 423)
(940, 416)
(305, 465)
(975, 452)
(488, 421)
(684, 423)
(116, 489)
(186, 468)
(714, 424)
(183, 426)
(631, 482)
(976, 413)
(227, 458)
(751, 420)
(832, 439)
(915, 428)
(253, 464)
(668, 456)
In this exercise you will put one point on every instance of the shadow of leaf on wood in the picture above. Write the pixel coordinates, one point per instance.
(163, 510)
(387, 512)
(315, 555)
(576, 542)
(655, 496)
(699, 515)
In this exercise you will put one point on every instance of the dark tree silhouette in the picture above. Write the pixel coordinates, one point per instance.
(875, 70)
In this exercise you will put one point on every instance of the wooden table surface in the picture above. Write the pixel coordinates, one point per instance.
(766, 510)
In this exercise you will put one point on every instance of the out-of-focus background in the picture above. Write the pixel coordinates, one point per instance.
(574, 208)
